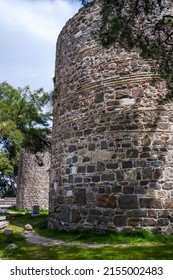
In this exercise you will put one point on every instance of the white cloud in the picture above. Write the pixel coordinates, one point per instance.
(29, 30)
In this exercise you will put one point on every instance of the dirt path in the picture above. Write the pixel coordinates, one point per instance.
(35, 238)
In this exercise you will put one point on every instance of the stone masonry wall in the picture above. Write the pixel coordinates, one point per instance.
(112, 146)
(33, 181)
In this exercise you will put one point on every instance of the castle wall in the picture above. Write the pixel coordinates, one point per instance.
(112, 143)
(33, 181)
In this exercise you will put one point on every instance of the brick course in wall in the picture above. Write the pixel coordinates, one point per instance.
(33, 181)
(112, 142)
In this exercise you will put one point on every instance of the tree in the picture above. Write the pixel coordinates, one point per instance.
(24, 125)
(143, 24)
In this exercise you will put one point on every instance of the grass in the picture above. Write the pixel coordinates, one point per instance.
(136, 245)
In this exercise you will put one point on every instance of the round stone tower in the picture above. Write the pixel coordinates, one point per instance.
(33, 181)
(112, 146)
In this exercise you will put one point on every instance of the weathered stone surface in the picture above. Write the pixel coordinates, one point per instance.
(65, 210)
(28, 227)
(80, 197)
(120, 221)
(136, 213)
(163, 222)
(128, 202)
(75, 216)
(134, 222)
(4, 224)
(150, 203)
(132, 153)
(112, 138)
(149, 222)
(146, 141)
(107, 177)
(168, 203)
(106, 201)
(168, 231)
(33, 181)
(2, 218)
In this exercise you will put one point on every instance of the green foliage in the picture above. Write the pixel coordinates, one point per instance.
(137, 245)
(23, 126)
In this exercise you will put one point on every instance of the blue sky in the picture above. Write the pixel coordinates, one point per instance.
(28, 34)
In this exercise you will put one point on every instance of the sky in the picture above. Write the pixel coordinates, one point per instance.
(28, 34)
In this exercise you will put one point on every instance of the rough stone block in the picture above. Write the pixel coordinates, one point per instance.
(134, 222)
(136, 213)
(153, 214)
(120, 175)
(112, 165)
(149, 222)
(128, 201)
(96, 178)
(116, 189)
(128, 190)
(162, 222)
(120, 220)
(90, 168)
(65, 213)
(103, 145)
(81, 169)
(127, 164)
(78, 180)
(91, 147)
(106, 201)
(100, 166)
(75, 216)
(95, 212)
(72, 148)
(4, 224)
(147, 173)
(103, 220)
(92, 219)
(133, 153)
(168, 203)
(107, 177)
(99, 97)
(80, 197)
(154, 203)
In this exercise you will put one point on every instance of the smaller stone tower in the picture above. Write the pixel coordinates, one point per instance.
(33, 181)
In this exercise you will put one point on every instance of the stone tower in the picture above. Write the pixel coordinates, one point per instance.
(33, 181)
(112, 146)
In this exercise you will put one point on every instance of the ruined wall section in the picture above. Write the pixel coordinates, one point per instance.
(112, 146)
(33, 181)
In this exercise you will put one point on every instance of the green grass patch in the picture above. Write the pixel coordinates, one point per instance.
(34, 252)
(133, 237)
(139, 245)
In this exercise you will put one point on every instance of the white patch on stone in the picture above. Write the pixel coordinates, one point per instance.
(78, 34)
(55, 186)
(69, 193)
(74, 170)
(128, 101)
(104, 155)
